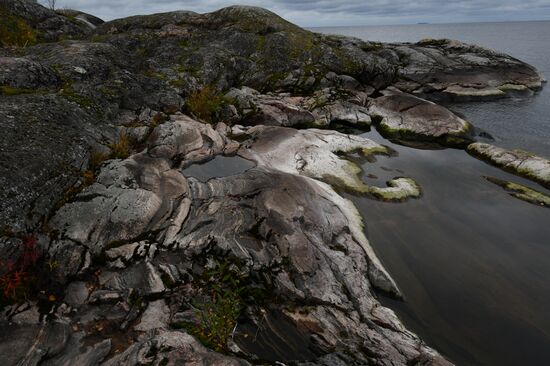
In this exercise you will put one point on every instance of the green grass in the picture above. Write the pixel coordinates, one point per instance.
(71, 94)
(226, 291)
(220, 309)
(15, 31)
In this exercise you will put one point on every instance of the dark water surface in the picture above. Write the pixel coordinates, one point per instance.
(220, 166)
(472, 262)
(518, 123)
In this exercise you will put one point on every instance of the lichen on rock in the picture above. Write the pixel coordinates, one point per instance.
(93, 157)
(522, 192)
(517, 161)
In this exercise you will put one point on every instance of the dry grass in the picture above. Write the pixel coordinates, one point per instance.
(120, 149)
(205, 104)
(15, 31)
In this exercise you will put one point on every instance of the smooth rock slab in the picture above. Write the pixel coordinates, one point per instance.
(449, 69)
(516, 161)
(28, 344)
(313, 153)
(407, 117)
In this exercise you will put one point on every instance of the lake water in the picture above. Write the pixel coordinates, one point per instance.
(220, 166)
(472, 262)
(523, 123)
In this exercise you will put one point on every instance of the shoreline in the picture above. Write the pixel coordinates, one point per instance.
(127, 259)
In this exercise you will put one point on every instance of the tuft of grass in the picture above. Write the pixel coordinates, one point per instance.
(154, 74)
(15, 31)
(205, 104)
(120, 149)
(82, 100)
(158, 119)
(96, 159)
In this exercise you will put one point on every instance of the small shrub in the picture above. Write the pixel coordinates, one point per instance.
(96, 159)
(218, 319)
(120, 149)
(158, 119)
(220, 309)
(88, 177)
(205, 104)
(16, 281)
(15, 31)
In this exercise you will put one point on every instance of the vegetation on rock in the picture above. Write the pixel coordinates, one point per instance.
(120, 149)
(205, 104)
(219, 310)
(8, 90)
(15, 31)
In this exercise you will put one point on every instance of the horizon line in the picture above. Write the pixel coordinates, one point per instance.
(422, 23)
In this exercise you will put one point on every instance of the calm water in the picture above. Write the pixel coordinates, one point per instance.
(220, 166)
(472, 261)
(523, 123)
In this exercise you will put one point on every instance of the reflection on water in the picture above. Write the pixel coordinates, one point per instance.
(220, 166)
(472, 262)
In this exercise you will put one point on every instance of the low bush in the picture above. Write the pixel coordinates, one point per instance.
(205, 104)
(17, 278)
(15, 31)
(120, 149)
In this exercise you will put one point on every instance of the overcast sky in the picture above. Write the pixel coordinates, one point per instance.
(337, 12)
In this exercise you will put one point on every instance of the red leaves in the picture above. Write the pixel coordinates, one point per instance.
(12, 282)
(16, 278)
(30, 252)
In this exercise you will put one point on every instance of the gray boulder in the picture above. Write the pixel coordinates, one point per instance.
(406, 117)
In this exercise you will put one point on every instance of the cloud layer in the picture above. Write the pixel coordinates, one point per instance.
(338, 12)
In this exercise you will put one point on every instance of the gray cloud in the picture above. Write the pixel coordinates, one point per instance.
(338, 12)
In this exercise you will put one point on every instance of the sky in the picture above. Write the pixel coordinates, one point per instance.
(311, 13)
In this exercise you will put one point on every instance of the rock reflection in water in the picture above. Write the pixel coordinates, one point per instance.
(220, 166)
(473, 262)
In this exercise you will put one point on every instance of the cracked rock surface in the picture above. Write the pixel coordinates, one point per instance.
(288, 234)
(135, 262)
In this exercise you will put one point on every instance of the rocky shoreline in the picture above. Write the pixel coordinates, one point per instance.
(112, 255)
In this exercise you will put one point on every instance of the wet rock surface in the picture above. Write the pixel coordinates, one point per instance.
(146, 264)
(519, 162)
(407, 117)
(522, 192)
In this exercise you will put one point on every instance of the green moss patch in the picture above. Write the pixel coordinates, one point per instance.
(522, 192)
(8, 90)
